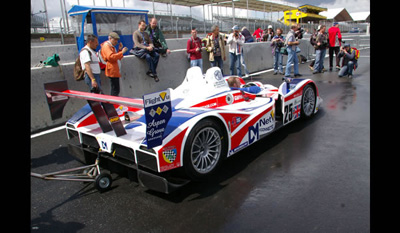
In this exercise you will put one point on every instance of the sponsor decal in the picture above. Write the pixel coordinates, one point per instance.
(241, 146)
(169, 154)
(296, 111)
(265, 125)
(157, 108)
(114, 119)
(253, 134)
(121, 109)
(291, 111)
(220, 82)
(56, 98)
(105, 144)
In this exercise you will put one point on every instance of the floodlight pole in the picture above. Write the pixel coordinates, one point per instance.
(47, 16)
(154, 10)
(247, 5)
(204, 20)
(233, 13)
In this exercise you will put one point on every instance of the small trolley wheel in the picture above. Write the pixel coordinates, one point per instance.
(103, 182)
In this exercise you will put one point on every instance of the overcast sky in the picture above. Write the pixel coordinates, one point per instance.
(54, 9)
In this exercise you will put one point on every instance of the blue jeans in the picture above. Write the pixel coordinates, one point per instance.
(152, 60)
(278, 58)
(220, 63)
(88, 81)
(234, 59)
(347, 69)
(198, 62)
(292, 60)
(246, 71)
(319, 60)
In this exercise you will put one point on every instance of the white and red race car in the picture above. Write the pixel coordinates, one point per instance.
(192, 127)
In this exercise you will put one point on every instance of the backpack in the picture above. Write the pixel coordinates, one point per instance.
(102, 62)
(357, 53)
(79, 73)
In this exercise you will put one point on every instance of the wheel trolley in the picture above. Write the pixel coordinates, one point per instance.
(88, 173)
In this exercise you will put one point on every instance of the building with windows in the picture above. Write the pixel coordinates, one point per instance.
(303, 14)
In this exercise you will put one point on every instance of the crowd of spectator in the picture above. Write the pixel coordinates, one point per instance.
(149, 44)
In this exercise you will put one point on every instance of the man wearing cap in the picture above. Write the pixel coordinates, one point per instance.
(349, 61)
(335, 40)
(235, 42)
(268, 34)
(291, 48)
(112, 57)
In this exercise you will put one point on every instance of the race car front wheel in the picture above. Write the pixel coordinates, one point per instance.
(308, 101)
(204, 149)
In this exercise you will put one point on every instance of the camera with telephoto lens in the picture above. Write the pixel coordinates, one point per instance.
(299, 33)
(279, 44)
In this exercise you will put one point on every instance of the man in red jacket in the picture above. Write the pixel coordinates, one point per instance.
(258, 33)
(335, 41)
(194, 49)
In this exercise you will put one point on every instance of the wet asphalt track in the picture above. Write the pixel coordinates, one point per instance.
(311, 176)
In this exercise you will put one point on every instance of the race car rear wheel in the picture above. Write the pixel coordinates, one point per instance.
(308, 101)
(204, 149)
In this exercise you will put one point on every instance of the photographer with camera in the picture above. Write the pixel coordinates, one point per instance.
(349, 62)
(278, 42)
(320, 49)
(235, 42)
(299, 33)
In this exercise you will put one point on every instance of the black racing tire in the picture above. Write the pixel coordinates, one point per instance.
(205, 148)
(308, 102)
(103, 182)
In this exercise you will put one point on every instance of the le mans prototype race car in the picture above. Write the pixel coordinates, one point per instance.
(192, 127)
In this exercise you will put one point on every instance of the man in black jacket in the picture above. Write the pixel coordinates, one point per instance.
(157, 36)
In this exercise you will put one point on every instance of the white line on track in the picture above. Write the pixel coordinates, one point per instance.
(48, 131)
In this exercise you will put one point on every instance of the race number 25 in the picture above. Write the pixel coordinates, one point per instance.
(288, 116)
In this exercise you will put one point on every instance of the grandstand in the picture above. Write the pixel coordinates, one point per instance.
(262, 13)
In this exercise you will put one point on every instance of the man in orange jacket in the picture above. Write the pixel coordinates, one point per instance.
(112, 57)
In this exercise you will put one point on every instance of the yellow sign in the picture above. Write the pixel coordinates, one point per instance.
(159, 110)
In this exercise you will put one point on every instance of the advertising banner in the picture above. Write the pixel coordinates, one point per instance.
(158, 111)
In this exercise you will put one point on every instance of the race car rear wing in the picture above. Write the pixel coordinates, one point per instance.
(58, 94)
(157, 109)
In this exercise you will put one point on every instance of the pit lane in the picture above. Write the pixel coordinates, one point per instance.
(310, 176)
